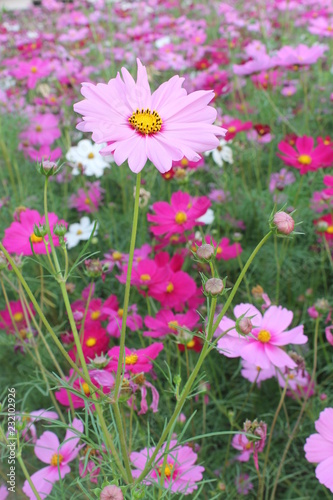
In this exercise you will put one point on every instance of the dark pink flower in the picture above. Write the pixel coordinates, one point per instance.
(136, 361)
(306, 157)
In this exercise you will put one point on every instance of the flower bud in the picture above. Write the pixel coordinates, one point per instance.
(60, 230)
(111, 492)
(40, 230)
(214, 286)
(322, 306)
(94, 268)
(48, 168)
(205, 252)
(244, 326)
(322, 226)
(284, 222)
(100, 362)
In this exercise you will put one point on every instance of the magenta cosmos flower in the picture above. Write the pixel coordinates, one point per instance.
(307, 156)
(319, 448)
(263, 347)
(57, 456)
(136, 361)
(180, 215)
(137, 125)
(19, 234)
(180, 471)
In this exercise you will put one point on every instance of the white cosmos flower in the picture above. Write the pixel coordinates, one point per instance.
(222, 153)
(207, 218)
(79, 231)
(85, 157)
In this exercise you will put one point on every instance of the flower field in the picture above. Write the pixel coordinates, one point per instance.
(166, 250)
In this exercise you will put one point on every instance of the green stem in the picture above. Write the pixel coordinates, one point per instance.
(27, 476)
(239, 280)
(262, 482)
(128, 287)
(292, 435)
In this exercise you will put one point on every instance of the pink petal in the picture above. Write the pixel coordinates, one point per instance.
(293, 336)
(278, 357)
(46, 446)
(254, 352)
(325, 424)
(317, 448)
(324, 473)
(276, 319)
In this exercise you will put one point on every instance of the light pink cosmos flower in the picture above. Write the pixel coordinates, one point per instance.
(254, 373)
(180, 471)
(87, 199)
(29, 419)
(114, 318)
(319, 448)
(57, 456)
(19, 234)
(163, 127)
(263, 347)
(241, 443)
(300, 55)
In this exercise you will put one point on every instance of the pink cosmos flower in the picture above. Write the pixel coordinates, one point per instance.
(140, 384)
(180, 471)
(57, 456)
(243, 484)
(163, 127)
(95, 341)
(234, 127)
(240, 442)
(254, 373)
(115, 313)
(177, 289)
(262, 63)
(300, 55)
(225, 251)
(87, 199)
(19, 234)
(136, 361)
(219, 195)
(43, 153)
(321, 26)
(100, 378)
(178, 216)
(281, 179)
(17, 313)
(263, 347)
(33, 70)
(166, 323)
(319, 448)
(3, 492)
(43, 130)
(306, 157)
(329, 334)
(327, 226)
(298, 383)
(147, 276)
(29, 419)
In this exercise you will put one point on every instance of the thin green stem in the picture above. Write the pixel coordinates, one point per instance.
(27, 476)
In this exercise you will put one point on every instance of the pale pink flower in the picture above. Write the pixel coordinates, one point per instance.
(57, 456)
(284, 222)
(319, 448)
(180, 471)
(163, 127)
(264, 347)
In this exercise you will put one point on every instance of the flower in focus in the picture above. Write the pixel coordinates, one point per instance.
(21, 232)
(136, 125)
(79, 231)
(136, 361)
(264, 347)
(180, 471)
(319, 448)
(57, 456)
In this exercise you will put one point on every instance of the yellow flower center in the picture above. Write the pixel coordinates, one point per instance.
(174, 238)
(56, 459)
(264, 336)
(173, 324)
(87, 201)
(167, 470)
(146, 121)
(232, 128)
(23, 334)
(120, 313)
(190, 344)
(248, 446)
(33, 69)
(184, 162)
(35, 239)
(79, 231)
(131, 359)
(180, 217)
(18, 316)
(91, 156)
(327, 142)
(85, 388)
(305, 159)
(219, 250)
(117, 255)
(329, 230)
(170, 288)
(95, 314)
(38, 128)
(91, 342)
(145, 277)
